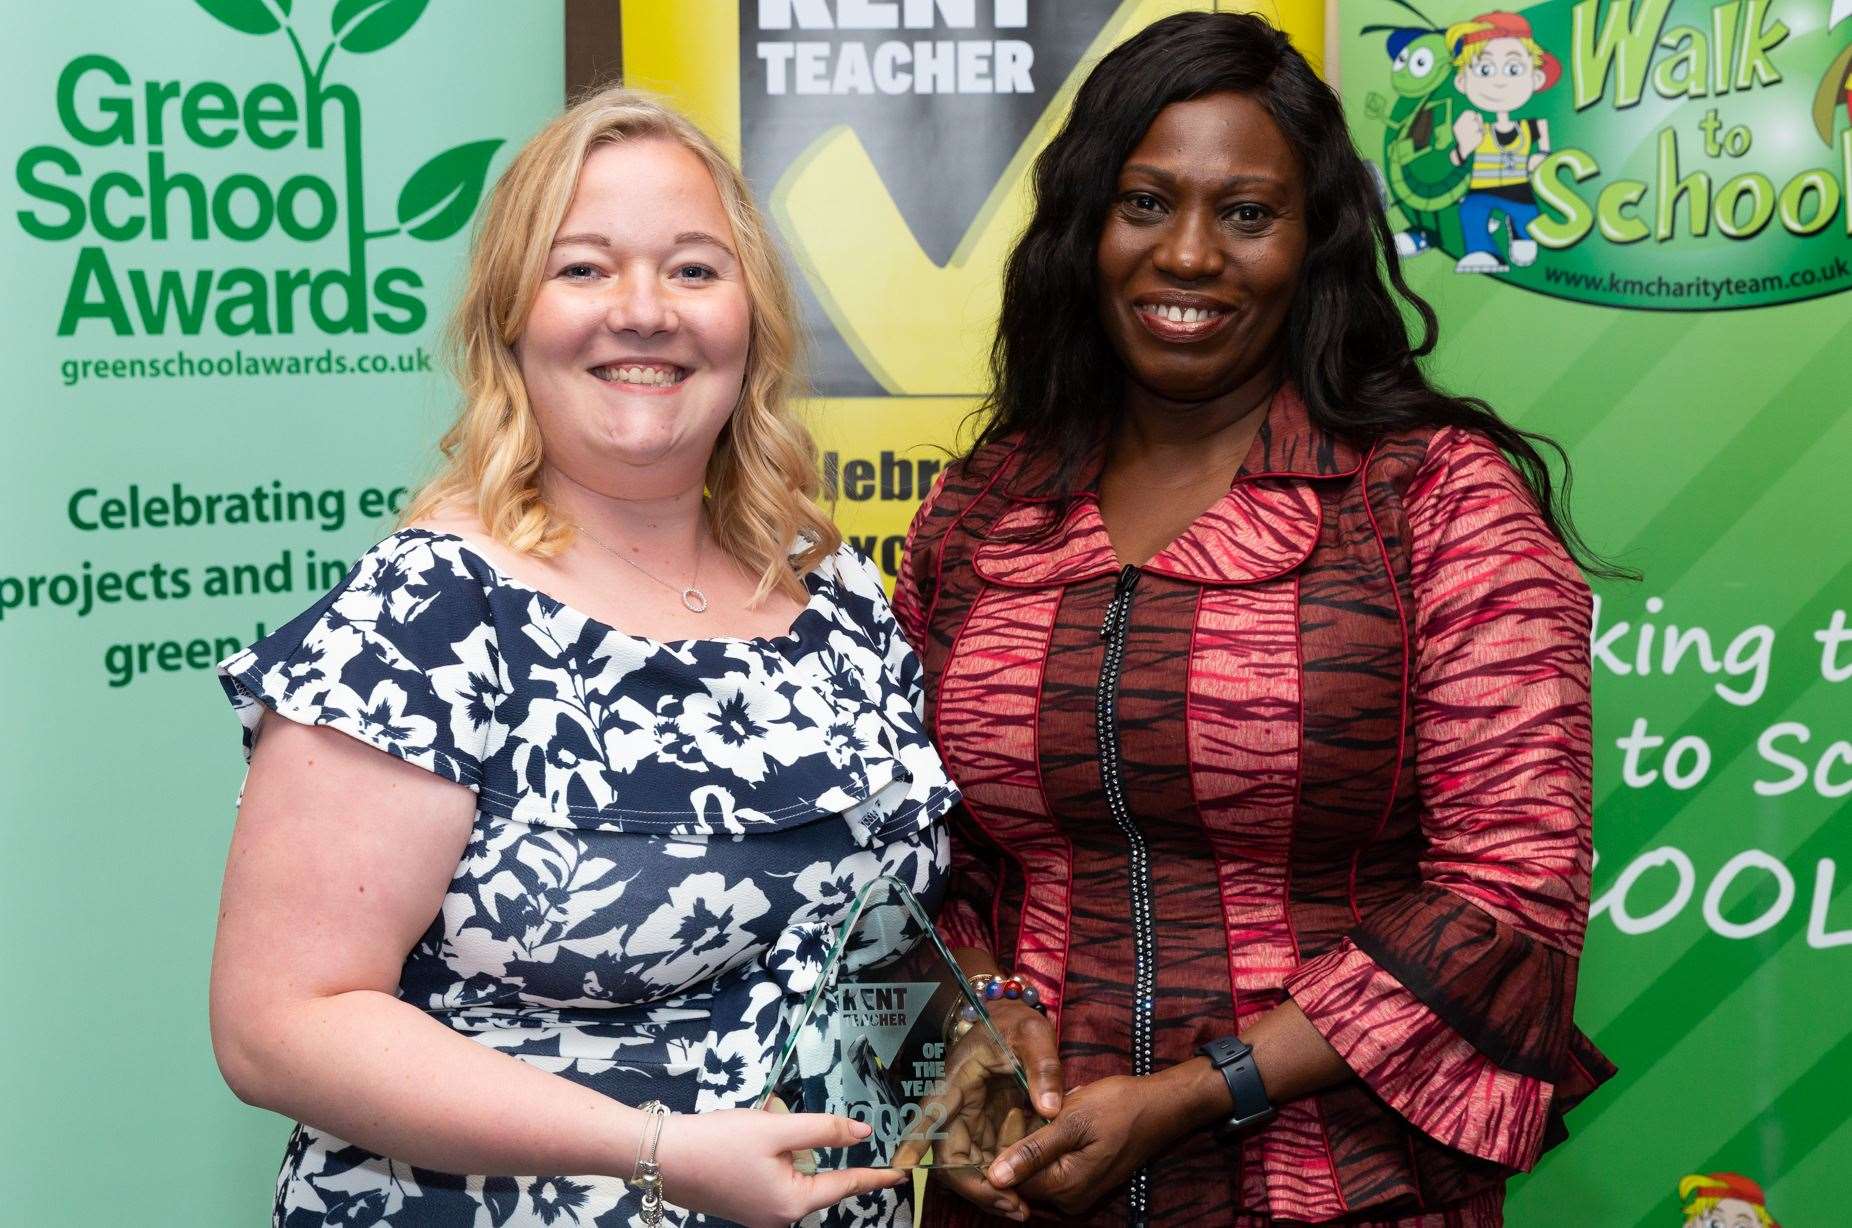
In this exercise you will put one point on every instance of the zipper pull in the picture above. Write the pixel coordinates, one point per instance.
(1121, 600)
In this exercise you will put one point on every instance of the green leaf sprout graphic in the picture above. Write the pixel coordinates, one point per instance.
(361, 26)
(249, 16)
(439, 198)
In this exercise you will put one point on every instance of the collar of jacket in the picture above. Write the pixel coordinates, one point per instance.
(1265, 525)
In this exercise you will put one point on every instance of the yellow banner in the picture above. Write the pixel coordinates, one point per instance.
(894, 164)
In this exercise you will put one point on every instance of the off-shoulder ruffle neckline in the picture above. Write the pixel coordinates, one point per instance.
(795, 635)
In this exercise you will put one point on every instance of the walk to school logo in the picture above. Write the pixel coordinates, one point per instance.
(1686, 155)
(301, 174)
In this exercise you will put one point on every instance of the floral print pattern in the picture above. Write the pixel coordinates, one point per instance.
(666, 835)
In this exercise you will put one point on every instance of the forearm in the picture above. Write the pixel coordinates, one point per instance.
(976, 960)
(1291, 1056)
(378, 1072)
(1293, 1059)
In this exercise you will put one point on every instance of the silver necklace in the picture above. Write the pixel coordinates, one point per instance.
(693, 599)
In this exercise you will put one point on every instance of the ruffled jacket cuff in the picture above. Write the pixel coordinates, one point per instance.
(1458, 1023)
(1419, 1066)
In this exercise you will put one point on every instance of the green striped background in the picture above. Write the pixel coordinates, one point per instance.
(1710, 453)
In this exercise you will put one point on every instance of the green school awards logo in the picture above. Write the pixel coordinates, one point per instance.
(285, 137)
(1683, 155)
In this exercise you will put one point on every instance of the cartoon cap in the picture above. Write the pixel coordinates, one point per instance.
(1500, 24)
(1401, 37)
(1726, 1185)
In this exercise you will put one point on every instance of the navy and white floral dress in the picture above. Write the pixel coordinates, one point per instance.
(665, 836)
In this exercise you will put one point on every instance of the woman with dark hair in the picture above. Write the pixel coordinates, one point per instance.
(1263, 667)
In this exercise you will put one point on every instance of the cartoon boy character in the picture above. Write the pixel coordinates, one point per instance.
(1724, 1200)
(1501, 68)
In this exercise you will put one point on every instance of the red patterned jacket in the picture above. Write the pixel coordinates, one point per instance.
(1332, 743)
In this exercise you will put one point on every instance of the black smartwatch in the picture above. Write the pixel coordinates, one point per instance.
(1234, 1059)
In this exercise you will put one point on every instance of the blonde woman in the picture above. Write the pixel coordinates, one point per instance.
(552, 801)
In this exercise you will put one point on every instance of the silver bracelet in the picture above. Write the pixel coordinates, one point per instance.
(648, 1174)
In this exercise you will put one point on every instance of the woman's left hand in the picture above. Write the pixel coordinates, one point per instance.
(1108, 1129)
(1105, 1132)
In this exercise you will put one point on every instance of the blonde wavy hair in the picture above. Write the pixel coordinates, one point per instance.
(1466, 37)
(762, 479)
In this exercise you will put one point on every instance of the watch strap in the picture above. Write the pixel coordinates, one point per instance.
(1233, 1058)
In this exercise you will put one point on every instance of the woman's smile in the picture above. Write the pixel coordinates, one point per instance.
(1181, 318)
(1199, 257)
(643, 294)
(647, 376)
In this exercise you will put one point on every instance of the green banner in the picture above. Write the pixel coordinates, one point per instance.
(234, 227)
(1686, 156)
(232, 232)
(1632, 218)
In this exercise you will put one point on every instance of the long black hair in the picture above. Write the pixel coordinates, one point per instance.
(1056, 380)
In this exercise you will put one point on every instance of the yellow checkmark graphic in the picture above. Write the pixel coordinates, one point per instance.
(922, 328)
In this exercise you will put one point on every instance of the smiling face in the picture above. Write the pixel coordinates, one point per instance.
(1502, 75)
(635, 347)
(1202, 250)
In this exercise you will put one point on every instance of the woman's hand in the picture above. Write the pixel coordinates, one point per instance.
(1108, 1129)
(1106, 1132)
(1032, 1038)
(736, 1164)
(976, 1125)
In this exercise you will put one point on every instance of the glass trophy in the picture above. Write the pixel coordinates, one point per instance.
(894, 1036)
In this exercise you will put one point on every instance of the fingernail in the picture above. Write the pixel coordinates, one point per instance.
(861, 1129)
(1002, 1173)
(1050, 1102)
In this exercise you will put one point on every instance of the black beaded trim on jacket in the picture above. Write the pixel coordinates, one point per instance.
(1144, 933)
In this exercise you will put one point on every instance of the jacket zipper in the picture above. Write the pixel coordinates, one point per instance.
(1144, 937)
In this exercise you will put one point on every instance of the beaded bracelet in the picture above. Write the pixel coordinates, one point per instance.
(647, 1175)
(997, 986)
(990, 987)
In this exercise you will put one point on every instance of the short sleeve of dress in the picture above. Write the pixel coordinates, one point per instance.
(401, 655)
